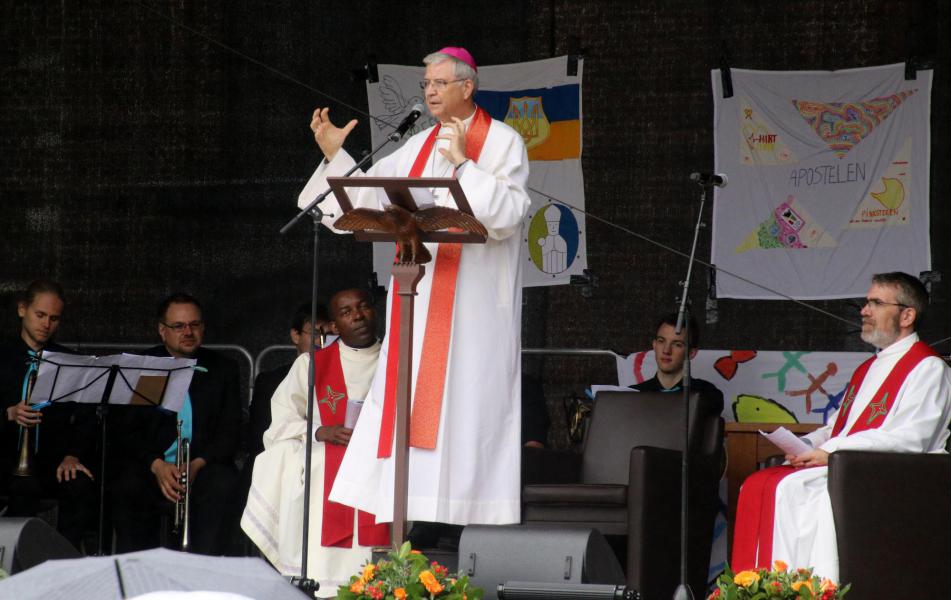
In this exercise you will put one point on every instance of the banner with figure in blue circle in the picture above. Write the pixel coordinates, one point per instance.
(542, 102)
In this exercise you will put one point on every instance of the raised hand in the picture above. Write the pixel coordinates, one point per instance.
(455, 132)
(329, 137)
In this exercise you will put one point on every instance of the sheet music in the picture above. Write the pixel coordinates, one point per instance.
(80, 378)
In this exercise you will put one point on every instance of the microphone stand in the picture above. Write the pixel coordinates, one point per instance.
(683, 591)
(304, 583)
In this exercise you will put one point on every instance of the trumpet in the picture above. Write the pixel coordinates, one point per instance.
(183, 462)
(24, 466)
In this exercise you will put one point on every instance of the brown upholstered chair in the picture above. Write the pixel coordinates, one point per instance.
(626, 481)
(892, 520)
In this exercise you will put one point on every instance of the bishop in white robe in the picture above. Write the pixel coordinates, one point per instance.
(472, 474)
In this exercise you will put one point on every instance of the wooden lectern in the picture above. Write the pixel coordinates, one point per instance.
(404, 222)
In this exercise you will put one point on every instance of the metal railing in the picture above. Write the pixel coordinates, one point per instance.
(533, 351)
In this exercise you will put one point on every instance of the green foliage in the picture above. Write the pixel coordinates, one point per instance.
(776, 584)
(407, 574)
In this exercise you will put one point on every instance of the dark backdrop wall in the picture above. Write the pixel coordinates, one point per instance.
(140, 157)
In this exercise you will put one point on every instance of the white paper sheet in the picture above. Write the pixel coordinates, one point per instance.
(787, 441)
(79, 378)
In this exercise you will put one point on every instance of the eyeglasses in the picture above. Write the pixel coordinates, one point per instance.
(181, 326)
(439, 84)
(876, 303)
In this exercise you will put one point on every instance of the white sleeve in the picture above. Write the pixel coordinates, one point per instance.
(288, 405)
(496, 186)
(360, 197)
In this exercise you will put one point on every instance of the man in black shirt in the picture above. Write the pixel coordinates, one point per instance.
(670, 352)
(145, 451)
(63, 434)
(267, 381)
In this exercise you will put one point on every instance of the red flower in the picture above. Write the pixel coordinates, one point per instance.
(714, 595)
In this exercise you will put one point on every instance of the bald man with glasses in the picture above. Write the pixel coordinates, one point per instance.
(897, 401)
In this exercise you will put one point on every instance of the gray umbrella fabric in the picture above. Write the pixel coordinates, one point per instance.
(129, 575)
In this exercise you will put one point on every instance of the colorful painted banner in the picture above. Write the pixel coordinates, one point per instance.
(828, 180)
(543, 103)
(763, 386)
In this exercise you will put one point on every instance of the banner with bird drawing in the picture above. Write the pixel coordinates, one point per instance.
(542, 101)
(763, 386)
(827, 180)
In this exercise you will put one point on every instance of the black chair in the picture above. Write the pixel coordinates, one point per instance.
(892, 520)
(626, 482)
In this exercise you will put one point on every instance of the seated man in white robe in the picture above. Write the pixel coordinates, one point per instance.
(340, 539)
(897, 401)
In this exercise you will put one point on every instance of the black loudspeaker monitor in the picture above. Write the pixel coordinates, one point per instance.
(25, 543)
(492, 555)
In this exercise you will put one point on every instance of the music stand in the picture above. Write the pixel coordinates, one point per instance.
(91, 380)
(407, 275)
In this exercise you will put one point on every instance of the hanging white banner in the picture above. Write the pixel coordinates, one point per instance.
(828, 180)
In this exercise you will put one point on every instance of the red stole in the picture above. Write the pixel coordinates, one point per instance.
(431, 378)
(874, 414)
(755, 509)
(330, 396)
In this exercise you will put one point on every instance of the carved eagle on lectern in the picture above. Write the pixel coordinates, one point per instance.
(406, 225)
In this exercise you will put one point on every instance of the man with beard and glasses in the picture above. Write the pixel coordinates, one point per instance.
(897, 401)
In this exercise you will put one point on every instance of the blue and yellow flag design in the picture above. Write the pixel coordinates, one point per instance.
(547, 118)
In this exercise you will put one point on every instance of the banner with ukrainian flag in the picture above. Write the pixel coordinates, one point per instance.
(541, 101)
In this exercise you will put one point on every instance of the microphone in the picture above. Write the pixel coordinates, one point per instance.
(709, 179)
(406, 123)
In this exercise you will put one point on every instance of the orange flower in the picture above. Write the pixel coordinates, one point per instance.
(779, 566)
(415, 552)
(828, 584)
(368, 572)
(429, 581)
(357, 586)
(746, 578)
(399, 593)
(798, 584)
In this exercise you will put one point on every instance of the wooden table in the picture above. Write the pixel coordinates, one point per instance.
(745, 450)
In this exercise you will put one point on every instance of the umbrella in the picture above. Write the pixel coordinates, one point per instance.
(129, 575)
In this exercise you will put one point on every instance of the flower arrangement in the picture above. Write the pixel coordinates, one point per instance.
(777, 584)
(407, 575)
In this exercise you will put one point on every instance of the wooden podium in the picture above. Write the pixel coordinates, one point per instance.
(407, 224)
